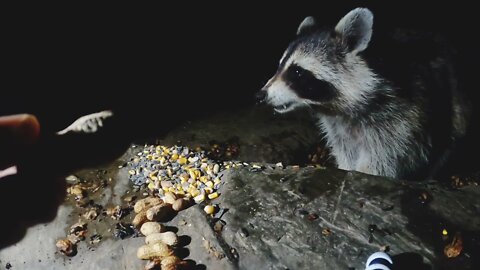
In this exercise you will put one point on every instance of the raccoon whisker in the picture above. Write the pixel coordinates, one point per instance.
(308, 105)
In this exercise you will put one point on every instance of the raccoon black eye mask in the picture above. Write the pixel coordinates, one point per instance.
(307, 86)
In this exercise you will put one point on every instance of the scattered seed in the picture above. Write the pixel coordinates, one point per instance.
(209, 209)
(66, 247)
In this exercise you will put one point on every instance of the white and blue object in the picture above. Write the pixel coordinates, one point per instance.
(379, 261)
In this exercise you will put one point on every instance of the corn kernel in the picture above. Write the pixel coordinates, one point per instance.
(209, 184)
(216, 181)
(192, 174)
(208, 190)
(182, 160)
(213, 195)
(203, 179)
(445, 232)
(171, 189)
(194, 192)
(151, 186)
(199, 198)
(132, 172)
(209, 209)
(174, 157)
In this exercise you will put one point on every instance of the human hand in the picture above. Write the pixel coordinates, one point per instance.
(26, 197)
(33, 167)
(16, 132)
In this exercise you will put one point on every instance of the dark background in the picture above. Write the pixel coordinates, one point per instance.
(178, 60)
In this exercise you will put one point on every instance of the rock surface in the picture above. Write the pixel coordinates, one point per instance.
(275, 218)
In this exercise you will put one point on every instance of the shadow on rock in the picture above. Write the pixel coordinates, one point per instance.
(409, 260)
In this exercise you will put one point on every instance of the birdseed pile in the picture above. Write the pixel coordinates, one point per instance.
(179, 170)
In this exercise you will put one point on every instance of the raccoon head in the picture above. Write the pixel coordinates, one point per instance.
(322, 69)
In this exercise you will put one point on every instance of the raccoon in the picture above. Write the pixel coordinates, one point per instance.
(371, 124)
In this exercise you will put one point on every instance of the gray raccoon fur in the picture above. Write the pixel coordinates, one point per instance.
(370, 123)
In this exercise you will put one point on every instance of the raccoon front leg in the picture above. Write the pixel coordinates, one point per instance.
(344, 156)
(375, 165)
(364, 164)
(368, 164)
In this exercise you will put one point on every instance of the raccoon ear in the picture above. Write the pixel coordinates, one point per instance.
(307, 24)
(355, 29)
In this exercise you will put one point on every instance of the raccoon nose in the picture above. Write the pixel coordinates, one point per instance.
(261, 96)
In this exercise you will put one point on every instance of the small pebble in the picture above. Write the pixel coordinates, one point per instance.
(244, 232)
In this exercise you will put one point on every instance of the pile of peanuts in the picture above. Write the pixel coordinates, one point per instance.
(160, 245)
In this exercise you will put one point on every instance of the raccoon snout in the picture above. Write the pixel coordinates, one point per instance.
(261, 96)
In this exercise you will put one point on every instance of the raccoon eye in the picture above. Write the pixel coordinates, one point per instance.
(306, 85)
(299, 72)
(296, 74)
